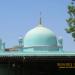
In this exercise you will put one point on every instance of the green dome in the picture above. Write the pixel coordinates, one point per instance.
(40, 36)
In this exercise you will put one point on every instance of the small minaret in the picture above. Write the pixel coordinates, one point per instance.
(60, 42)
(20, 43)
(2, 46)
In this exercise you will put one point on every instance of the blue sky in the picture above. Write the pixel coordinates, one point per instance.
(19, 16)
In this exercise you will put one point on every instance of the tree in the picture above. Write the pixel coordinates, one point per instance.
(71, 20)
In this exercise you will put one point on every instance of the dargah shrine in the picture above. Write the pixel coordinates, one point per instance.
(39, 52)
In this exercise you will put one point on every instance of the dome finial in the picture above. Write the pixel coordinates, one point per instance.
(40, 18)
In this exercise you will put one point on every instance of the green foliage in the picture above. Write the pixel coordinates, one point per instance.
(73, 34)
(71, 20)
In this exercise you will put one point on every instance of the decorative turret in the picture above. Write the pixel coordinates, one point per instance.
(20, 43)
(60, 43)
(2, 45)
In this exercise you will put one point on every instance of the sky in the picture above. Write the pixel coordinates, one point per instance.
(19, 16)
